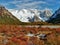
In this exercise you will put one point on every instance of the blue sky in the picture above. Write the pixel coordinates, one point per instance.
(31, 4)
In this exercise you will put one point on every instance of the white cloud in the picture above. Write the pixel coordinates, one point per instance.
(26, 4)
(15, 2)
(30, 5)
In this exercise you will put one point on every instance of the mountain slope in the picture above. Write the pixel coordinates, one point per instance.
(55, 18)
(6, 17)
(31, 15)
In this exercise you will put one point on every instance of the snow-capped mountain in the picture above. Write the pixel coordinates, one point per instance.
(55, 18)
(31, 15)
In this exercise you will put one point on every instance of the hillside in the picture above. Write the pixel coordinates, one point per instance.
(55, 18)
(6, 17)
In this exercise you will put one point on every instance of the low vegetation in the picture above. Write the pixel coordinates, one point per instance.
(17, 35)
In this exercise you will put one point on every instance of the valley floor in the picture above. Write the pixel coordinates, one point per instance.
(29, 35)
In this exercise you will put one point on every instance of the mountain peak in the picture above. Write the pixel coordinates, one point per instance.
(55, 18)
(27, 15)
